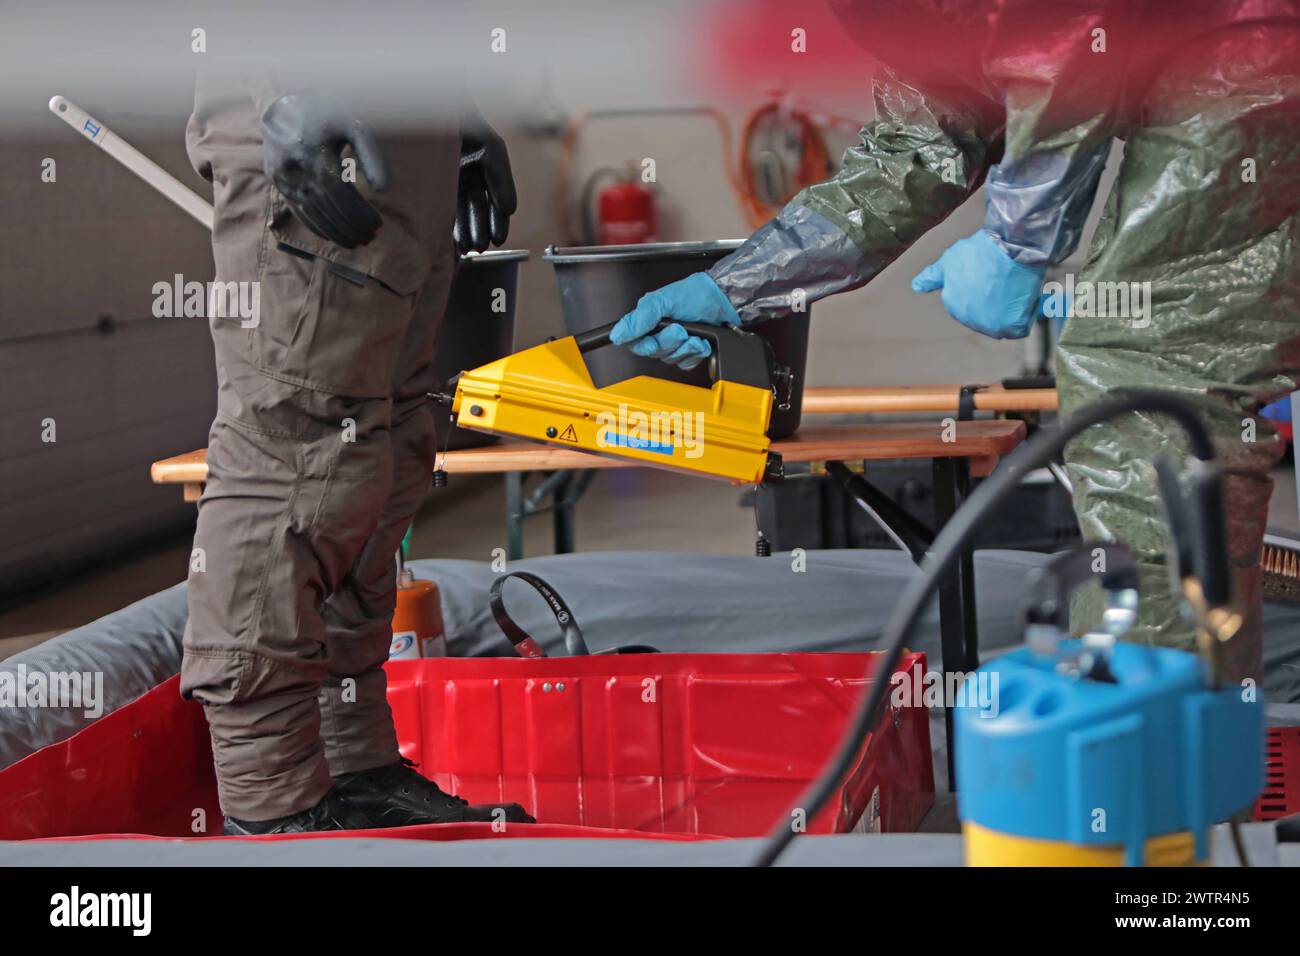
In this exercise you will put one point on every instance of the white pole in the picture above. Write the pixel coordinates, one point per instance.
(132, 159)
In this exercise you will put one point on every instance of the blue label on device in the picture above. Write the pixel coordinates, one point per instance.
(640, 444)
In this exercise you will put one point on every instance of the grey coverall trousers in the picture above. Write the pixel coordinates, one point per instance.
(319, 456)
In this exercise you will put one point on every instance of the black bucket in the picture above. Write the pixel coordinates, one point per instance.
(472, 334)
(599, 284)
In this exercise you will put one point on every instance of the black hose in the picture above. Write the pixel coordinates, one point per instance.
(1034, 454)
(1210, 538)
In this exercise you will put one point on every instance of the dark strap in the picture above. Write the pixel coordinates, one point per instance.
(523, 643)
(966, 402)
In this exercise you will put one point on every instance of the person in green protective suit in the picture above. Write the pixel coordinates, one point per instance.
(1202, 229)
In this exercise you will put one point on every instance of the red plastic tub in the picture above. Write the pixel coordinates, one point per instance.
(678, 746)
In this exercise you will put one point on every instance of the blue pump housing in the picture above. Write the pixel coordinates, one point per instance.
(1058, 757)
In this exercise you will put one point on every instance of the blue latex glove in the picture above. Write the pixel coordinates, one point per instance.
(696, 298)
(984, 288)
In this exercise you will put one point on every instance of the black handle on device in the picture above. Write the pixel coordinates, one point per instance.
(738, 356)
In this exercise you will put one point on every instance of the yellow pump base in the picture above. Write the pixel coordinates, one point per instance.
(985, 847)
(546, 394)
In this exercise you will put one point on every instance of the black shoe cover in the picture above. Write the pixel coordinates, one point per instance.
(332, 813)
(398, 795)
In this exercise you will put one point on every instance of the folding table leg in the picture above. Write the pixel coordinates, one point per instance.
(958, 623)
(567, 493)
(966, 562)
(514, 515)
(905, 530)
(559, 492)
(562, 515)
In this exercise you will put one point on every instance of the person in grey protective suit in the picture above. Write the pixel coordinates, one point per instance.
(323, 444)
(1025, 97)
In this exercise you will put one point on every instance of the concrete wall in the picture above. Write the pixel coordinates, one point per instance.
(79, 346)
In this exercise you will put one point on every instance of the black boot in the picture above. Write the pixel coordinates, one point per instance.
(332, 813)
(397, 795)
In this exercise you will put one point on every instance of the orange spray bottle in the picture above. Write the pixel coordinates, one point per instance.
(417, 621)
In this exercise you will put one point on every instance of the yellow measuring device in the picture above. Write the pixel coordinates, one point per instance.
(546, 394)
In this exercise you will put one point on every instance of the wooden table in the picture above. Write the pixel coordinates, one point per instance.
(979, 443)
(897, 399)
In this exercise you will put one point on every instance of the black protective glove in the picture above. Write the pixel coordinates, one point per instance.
(485, 198)
(303, 135)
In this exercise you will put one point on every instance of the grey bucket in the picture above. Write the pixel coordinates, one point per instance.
(472, 334)
(598, 284)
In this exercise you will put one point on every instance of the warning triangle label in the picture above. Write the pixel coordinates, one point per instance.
(568, 435)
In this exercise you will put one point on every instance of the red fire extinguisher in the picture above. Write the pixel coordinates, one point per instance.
(625, 212)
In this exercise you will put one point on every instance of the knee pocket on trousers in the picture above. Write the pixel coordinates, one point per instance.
(219, 677)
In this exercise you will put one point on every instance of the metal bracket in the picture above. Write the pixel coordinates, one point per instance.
(906, 531)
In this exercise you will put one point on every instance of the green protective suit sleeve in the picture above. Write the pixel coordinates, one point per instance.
(1052, 74)
(916, 162)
